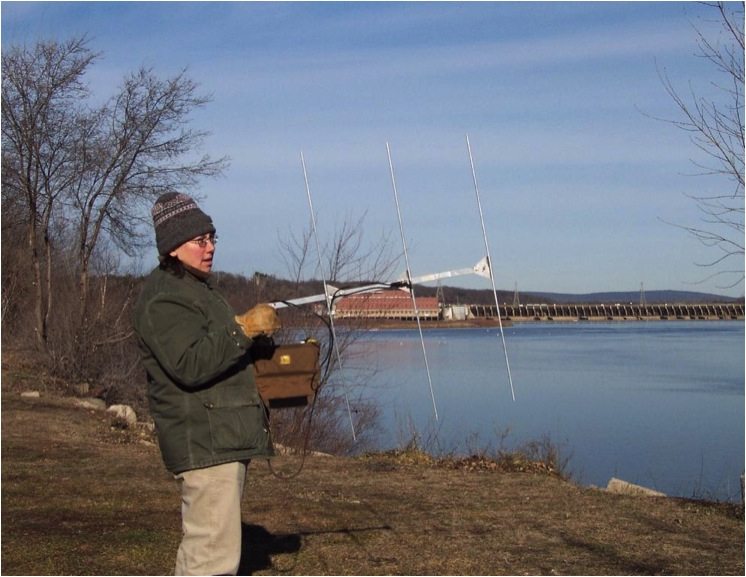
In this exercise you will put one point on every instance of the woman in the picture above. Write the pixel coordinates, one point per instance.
(208, 415)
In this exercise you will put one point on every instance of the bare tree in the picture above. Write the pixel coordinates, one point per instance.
(133, 151)
(41, 91)
(715, 125)
(86, 175)
(296, 250)
(347, 258)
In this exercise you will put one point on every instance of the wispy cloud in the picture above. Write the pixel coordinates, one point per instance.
(550, 93)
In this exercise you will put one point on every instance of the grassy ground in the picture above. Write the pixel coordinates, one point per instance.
(82, 497)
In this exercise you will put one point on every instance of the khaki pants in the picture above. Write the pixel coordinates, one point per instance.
(211, 519)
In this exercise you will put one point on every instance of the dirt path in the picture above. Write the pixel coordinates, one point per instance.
(79, 497)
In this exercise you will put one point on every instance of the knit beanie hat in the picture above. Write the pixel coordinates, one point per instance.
(177, 219)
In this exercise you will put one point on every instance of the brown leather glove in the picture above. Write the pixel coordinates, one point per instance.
(260, 320)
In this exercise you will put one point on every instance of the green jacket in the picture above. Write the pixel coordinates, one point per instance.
(201, 387)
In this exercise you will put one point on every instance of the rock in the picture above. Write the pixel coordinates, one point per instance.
(95, 404)
(124, 412)
(624, 488)
(31, 394)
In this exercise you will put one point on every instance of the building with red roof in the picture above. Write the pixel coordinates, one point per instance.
(386, 304)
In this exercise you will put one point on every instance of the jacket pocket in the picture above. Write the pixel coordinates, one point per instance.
(236, 428)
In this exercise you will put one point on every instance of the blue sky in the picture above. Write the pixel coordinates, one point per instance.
(577, 181)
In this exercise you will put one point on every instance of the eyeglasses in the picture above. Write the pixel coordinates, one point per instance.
(203, 240)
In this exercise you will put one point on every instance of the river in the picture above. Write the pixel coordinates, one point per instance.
(657, 403)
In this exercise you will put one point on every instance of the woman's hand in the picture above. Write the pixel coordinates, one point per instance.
(259, 320)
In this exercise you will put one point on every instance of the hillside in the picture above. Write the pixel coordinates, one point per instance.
(277, 288)
(651, 297)
(484, 296)
(82, 495)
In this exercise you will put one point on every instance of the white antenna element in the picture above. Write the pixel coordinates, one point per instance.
(409, 281)
(480, 269)
(489, 267)
(326, 292)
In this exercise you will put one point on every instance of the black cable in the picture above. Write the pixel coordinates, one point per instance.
(326, 363)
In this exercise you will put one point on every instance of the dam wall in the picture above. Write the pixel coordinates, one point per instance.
(611, 312)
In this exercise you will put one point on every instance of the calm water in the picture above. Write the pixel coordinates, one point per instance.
(658, 403)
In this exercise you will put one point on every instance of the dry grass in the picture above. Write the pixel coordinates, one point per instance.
(82, 497)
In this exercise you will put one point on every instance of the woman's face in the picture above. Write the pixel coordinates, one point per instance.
(197, 253)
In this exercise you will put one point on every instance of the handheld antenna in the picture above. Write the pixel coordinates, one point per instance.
(489, 262)
(328, 299)
(409, 281)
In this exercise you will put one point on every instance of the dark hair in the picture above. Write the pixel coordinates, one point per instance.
(171, 264)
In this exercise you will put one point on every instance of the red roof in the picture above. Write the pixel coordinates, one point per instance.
(386, 301)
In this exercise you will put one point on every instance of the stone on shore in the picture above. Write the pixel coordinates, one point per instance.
(125, 413)
(625, 488)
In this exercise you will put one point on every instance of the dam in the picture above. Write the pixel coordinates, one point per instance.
(611, 312)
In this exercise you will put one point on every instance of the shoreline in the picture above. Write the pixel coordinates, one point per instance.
(379, 325)
(387, 514)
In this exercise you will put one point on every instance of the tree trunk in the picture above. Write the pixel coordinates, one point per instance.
(40, 328)
(49, 293)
